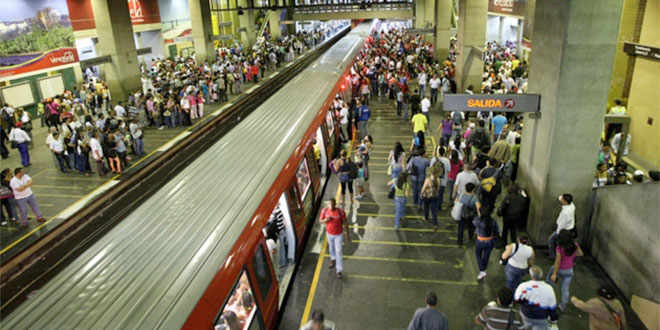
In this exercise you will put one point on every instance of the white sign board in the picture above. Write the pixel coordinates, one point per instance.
(18, 95)
(51, 86)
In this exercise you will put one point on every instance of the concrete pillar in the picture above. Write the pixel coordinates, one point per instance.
(274, 22)
(202, 29)
(115, 35)
(246, 21)
(420, 13)
(500, 27)
(442, 21)
(471, 38)
(520, 37)
(571, 69)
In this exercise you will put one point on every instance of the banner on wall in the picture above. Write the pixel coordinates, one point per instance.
(507, 7)
(141, 11)
(35, 35)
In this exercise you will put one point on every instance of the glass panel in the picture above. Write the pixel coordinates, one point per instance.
(302, 179)
(240, 309)
(330, 121)
(262, 272)
(294, 204)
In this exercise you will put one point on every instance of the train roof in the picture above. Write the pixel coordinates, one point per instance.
(153, 267)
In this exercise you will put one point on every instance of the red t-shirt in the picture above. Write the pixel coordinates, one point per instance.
(335, 218)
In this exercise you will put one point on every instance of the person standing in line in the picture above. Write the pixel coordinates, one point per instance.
(417, 168)
(429, 317)
(605, 311)
(518, 256)
(136, 134)
(401, 193)
(57, 148)
(513, 211)
(567, 250)
(334, 219)
(22, 139)
(97, 152)
(364, 115)
(565, 221)
(343, 169)
(20, 185)
(486, 229)
(7, 197)
(537, 300)
(434, 84)
(499, 314)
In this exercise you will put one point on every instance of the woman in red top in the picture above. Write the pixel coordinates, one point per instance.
(334, 219)
(456, 164)
(255, 72)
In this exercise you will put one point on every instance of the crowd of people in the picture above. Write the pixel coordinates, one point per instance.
(474, 162)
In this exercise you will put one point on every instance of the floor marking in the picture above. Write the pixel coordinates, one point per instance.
(411, 280)
(167, 145)
(408, 260)
(374, 215)
(99, 180)
(40, 173)
(60, 195)
(315, 282)
(45, 186)
(395, 243)
(420, 230)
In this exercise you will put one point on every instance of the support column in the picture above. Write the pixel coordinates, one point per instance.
(115, 35)
(202, 29)
(274, 22)
(248, 35)
(571, 69)
(500, 27)
(471, 38)
(442, 21)
(420, 13)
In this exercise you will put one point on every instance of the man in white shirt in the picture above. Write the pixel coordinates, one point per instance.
(616, 141)
(422, 80)
(56, 145)
(426, 106)
(434, 84)
(565, 221)
(21, 138)
(136, 134)
(97, 153)
(120, 111)
(20, 185)
(463, 178)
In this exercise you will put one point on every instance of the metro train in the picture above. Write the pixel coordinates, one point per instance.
(196, 255)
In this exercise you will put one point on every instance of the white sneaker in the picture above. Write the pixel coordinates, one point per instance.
(481, 276)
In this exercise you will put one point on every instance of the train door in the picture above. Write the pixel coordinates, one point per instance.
(281, 242)
(320, 147)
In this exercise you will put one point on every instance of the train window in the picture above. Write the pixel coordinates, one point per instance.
(262, 272)
(302, 179)
(240, 310)
(294, 204)
(330, 121)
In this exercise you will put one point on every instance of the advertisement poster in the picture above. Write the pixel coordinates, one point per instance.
(141, 11)
(507, 7)
(34, 35)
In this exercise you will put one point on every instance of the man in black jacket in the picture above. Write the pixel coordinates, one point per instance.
(513, 211)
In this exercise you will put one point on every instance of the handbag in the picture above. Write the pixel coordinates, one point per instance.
(389, 170)
(457, 210)
(503, 261)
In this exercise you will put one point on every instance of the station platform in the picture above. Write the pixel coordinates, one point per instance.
(388, 273)
(60, 194)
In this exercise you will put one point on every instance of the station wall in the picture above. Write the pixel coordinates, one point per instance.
(624, 237)
(509, 29)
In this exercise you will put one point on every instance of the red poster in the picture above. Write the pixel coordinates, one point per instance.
(141, 11)
(507, 7)
(49, 59)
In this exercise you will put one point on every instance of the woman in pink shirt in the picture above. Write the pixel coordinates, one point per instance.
(567, 250)
(192, 99)
(455, 166)
(200, 105)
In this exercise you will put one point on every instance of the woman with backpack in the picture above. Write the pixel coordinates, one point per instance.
(430, 198)
(468, 204)
(517, 258)
(343, 166)
(487, 230)
(402, 190)
(566, 252)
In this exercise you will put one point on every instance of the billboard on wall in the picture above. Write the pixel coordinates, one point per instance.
(34, 35)
(507, 7)
(141, 11)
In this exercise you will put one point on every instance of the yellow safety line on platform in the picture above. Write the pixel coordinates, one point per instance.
(411, 280)
(85, 178)
(419, 230)
(8, 247)
(375, 215)
(406, 244)
(408, 260)
(315, 282)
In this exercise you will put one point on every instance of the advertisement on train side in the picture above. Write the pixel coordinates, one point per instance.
(35, 35)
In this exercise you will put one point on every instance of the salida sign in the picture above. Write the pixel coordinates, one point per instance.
(492, 102)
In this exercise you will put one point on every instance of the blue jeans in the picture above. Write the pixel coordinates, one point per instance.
(441, 197)
(422, 89)
(23, 203)
(399, 210)
(431, 204)
(513, 276)
(482, 250)
(461, 229)
(335, 247)
(565, 275)
(434, 95)
(25, 155)
(552, 244)
(534, 324)
(417, 188)
(139, 146)
(450, 186)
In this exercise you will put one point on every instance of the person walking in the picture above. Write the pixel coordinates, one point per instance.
(318, 322)
(20, 185)
(537, 301)
(401, 193)
(364, 114)
(486, 229)
(518, 257)
(566, 251)
(440, 165)
(396, 160)
(513, 211)
(417, 168)
(430, 199)
(21, 139)
(336, 227)
(605, 311)
(565, 221)
(499, 314)
(429, 317)
(455, 165)
(466, 176)
(468, 204)
(343, 168)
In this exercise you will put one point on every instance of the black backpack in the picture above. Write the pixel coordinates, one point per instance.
(468, 212)
(352, 170)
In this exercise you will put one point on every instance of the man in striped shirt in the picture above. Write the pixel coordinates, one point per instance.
(499, 315)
